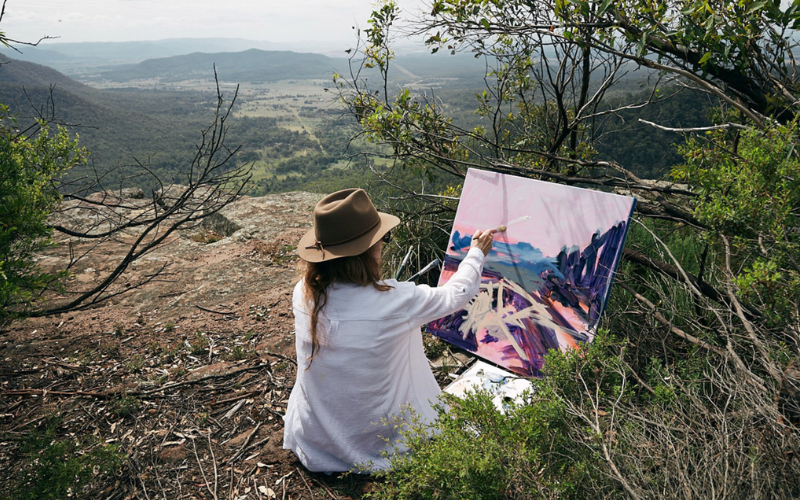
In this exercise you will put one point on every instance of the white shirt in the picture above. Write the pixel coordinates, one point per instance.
(370, 366)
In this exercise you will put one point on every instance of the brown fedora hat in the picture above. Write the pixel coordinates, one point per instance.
(346, 223)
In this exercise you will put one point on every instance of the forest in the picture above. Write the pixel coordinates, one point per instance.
(127, 126)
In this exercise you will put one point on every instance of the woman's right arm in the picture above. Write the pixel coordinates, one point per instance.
(428, 304)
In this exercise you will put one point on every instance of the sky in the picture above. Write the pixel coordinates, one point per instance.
(126, 20)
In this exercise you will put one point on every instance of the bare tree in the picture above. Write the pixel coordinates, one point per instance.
(94, 216)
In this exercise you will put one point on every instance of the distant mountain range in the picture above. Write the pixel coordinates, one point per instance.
(252, 65)
(92, 57)
(67, 57)
(237, 60)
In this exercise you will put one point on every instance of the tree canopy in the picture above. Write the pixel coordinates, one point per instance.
(705, 312)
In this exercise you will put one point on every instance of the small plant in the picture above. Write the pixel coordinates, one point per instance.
(201, 419)
(434, 348)
(135, 364)
(89, 357)
(168, 327)
(126, 406)
(58, 467)
(199, 345)
(238, 353)
(169, 353)
(205, 236)
(107, 349)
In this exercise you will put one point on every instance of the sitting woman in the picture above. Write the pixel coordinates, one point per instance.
(360, 360)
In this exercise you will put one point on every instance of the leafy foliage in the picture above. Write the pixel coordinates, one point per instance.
(30, 167)
(59, 467)
(749, 183)
(705, 307)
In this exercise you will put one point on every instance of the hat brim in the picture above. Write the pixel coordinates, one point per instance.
(307, 250)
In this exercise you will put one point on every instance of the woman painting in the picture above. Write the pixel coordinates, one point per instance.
(360, 359)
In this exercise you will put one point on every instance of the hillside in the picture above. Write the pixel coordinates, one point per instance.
(202, 361)
(116, 126)
(249, 66)
(157, 127)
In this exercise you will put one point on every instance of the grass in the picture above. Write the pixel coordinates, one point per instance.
(239, 353)
(135, 364)
(199, 345)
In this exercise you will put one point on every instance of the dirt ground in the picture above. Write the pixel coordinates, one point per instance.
(187, 377)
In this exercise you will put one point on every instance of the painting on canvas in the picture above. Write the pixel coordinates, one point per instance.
(547, 279)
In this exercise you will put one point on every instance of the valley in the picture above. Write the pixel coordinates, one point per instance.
(287, 120)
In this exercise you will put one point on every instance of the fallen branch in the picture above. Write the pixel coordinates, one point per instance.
(236, 407)
(44, 392)
(281, 356)
(730, 354)
(201, 380)
(213, 311)
(235, 398)
(66, 366)
(244, 446)
(305, 482)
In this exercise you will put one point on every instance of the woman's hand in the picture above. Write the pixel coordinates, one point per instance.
(483, 240)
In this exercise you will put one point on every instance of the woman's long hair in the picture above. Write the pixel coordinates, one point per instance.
(362, 269)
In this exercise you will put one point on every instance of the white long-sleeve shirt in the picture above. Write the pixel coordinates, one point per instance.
(370, 366)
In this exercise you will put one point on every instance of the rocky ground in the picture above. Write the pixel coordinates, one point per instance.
(186, 378)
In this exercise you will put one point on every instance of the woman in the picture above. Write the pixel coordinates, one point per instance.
(360, 360)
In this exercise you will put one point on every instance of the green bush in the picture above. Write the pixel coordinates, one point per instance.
(30, 166)
(60, 467)
(476, 452)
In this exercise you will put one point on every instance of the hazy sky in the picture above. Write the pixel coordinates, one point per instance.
(123, 20)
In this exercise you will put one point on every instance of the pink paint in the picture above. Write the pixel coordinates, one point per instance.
(491, 199)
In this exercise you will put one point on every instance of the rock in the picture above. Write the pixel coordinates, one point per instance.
(117, 195)
(173, 454)
(213, 369)
(219, 224)
(130, 193)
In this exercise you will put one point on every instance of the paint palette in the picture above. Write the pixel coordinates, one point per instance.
(547, 278)
(503, 386)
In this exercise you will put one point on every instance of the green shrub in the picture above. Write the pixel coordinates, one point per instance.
(59, 467)
(30, 166)
(530, 452)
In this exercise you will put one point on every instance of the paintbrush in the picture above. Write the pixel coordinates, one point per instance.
(403, 264)
(502, 227)
(432, 265)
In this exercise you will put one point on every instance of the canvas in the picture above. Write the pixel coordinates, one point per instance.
(547, 278)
